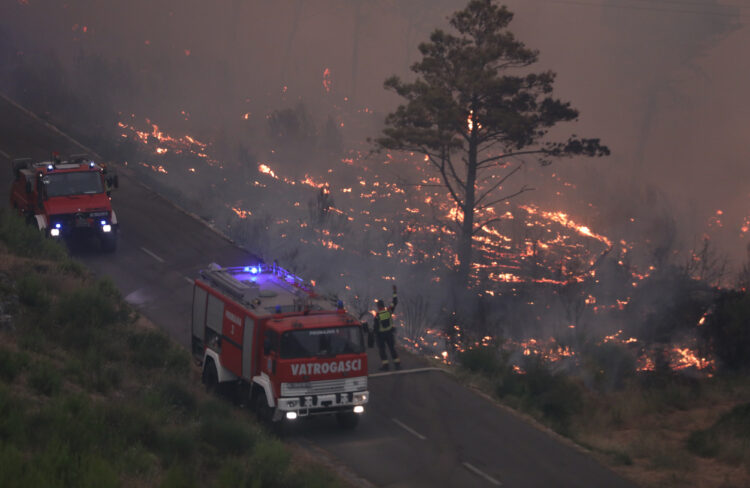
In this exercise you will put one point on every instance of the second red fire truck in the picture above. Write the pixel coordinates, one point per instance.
(66, 198)
(286, 350)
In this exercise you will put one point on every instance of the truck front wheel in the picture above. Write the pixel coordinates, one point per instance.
(109, 243)
(347, 420)
(262, 410)
(210, 377)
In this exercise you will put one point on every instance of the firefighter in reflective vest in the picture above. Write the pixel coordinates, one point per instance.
(385, 332)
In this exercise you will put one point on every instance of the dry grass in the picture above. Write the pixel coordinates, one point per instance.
(654, 439)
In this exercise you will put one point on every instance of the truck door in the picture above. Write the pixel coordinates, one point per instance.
(247, 348)
(199, 320)
(231, 339)
(270, 352)
(214, 319)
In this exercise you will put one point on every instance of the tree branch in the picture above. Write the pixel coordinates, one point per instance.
(498, 184)
(524, 189)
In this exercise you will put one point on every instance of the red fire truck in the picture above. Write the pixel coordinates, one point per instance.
(63, 198)
(283, 348)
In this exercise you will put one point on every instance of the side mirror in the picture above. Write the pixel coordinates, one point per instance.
(116, 181)
(28, 186)
(266, 346)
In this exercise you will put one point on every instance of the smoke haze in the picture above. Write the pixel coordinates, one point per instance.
(298, 85)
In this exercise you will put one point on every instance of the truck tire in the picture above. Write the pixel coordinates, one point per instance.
(109, 243)
(262, 410)
(347, 420)
(210, 377)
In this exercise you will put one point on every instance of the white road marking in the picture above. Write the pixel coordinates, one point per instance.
(404, 371)
(4, 154)
(481, 473)
(152, 255)
(409, 429)
(48, 125)
(188, 280)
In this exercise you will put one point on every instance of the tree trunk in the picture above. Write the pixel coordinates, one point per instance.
(465, 244)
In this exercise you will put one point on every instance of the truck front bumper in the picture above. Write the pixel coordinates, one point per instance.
(303, 406)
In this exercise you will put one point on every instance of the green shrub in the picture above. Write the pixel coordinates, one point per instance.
(149, 348)
(32, 291)
(269, 464)
(45, 379)
(131, 424)
(26, 240)
(213, 407)
(14, 468)
(136, 460)
(609, 365)
(11, 364)
(736, 422)
(178, 476)
(667, 390)
(177, 362)
(73, 268)
(312, 477)
(13, 419)
(703, 443)
(106, 378)
(32, 339)
(177, 396)
(231, 474)
(730, 430)
(177, 445)
(227, 435)
(726, 330)
(87, 307)
(555, 397)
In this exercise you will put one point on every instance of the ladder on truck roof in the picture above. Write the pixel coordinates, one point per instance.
(266, 287)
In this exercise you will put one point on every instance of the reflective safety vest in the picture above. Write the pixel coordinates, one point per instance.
(385, 323)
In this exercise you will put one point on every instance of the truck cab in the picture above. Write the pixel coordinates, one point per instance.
(290, 352)
(64, 199)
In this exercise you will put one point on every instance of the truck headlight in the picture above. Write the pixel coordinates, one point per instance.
(106, 228)
(291, 415)
(359, 409)
(54, 232)
(360, 397)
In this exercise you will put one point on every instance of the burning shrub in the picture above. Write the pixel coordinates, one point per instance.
(727, 329)
(669, 303)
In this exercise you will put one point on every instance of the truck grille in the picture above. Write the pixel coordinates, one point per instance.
(324, 387)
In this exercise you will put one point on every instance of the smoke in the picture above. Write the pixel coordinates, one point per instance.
(297, 86)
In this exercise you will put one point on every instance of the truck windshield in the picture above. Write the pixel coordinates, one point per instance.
(64, 184)
(321, 342)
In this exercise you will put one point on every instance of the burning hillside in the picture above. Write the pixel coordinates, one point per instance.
(393, 212)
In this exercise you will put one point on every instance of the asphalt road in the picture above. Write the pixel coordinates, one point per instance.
(422, 428)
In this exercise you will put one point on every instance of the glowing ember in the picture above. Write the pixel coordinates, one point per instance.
(327, 83)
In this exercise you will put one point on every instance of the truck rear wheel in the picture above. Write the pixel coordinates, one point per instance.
(347, 420)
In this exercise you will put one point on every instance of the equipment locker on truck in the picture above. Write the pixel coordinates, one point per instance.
(286, 350)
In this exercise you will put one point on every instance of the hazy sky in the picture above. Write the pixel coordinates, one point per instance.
(662, 83)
